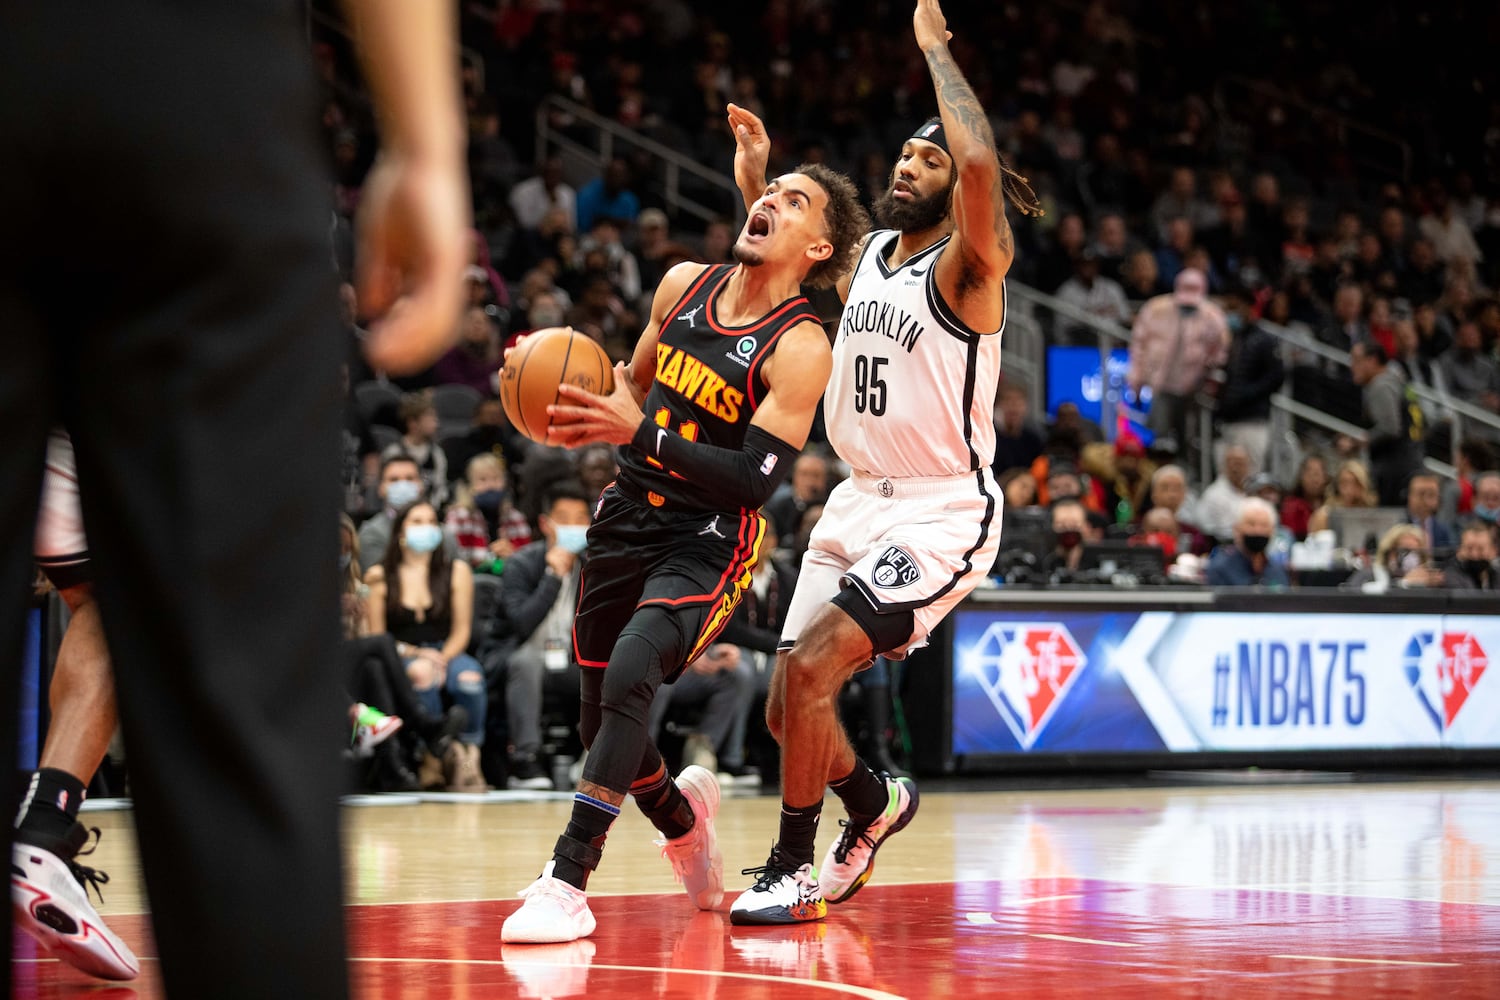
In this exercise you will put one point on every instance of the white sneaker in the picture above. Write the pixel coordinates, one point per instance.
(49, 902)
(851, 860)
(780, 896)
(695, 856)
(554, 912)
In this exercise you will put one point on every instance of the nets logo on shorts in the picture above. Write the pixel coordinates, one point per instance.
(895, 568)
(1026, 670)
(1443, 670)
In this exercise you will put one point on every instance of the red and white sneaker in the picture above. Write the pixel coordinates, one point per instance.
(695, 856)
(554, 912)
(372, 727)
(49, 902)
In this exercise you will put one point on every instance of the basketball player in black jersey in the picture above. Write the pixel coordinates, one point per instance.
(714, 406)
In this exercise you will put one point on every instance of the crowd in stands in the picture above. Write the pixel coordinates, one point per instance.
(1178, 182)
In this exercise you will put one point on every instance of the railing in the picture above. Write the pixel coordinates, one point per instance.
(1284, 456)
(605, 141)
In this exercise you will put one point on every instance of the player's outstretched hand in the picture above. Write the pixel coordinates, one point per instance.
(412, 247)
(588, 417)
(752, 148)
(930, 25)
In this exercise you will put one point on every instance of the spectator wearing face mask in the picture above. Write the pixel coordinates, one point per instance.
(1402, 560)
(1178, 341)
(424, 599)
(1487, 497)
(399, 487)
(1247, 562)
(533, 631)
(1473, 567)
(482, 520)
(1070, 527)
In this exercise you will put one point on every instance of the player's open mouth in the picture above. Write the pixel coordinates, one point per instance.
(759, 226)
(902, 190)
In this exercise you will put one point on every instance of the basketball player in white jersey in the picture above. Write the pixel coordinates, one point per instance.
(48, 886)
(916, 363)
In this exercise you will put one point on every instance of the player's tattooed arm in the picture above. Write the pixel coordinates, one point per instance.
(979, 199)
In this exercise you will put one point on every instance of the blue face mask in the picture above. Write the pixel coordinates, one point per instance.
(489, 500)
(402, 492)
(573, 537)
(1235, 322)
(1487, 514)
(423, 537)
(344, 558)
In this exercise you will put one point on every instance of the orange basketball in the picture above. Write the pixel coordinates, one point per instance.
(545, 360)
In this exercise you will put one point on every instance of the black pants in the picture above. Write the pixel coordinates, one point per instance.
(166, 293)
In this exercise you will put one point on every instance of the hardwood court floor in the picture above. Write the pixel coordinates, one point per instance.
(1351, 890)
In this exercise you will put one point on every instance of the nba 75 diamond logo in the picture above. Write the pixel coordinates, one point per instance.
(1026, 670)
(1442, 670)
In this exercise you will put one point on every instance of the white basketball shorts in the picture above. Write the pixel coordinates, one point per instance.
(61, 549)
(907, 544)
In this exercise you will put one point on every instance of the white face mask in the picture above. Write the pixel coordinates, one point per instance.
(573, 537)
(402, 492)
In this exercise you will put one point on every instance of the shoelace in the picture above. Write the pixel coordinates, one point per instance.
(554, 887)
(853, 833)
(766, 876)
(89, 877)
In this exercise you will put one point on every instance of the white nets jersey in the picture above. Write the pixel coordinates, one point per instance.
(913, 389)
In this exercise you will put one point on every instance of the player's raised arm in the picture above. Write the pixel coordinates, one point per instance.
(752, 152)
(981, 229)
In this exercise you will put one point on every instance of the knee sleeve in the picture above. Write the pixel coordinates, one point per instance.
(591, 683)
(634, 674)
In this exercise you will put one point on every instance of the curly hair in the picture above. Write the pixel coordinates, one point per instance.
(845, 218)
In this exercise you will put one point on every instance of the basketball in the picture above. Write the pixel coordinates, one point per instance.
(543, 361)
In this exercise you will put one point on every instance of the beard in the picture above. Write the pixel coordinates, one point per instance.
(749, 256)
(916, 215)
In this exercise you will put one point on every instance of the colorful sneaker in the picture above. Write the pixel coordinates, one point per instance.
(851, 859)
(695, 856)
(554, 912)
(780, 895)
(49, 901)
(372, 727)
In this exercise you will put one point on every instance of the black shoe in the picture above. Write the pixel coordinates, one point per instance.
(526, 773)
(438, 732)
(389, 772)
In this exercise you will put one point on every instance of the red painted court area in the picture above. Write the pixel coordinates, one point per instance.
(1034, 938)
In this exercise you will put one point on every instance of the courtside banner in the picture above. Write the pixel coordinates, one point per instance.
(1112, 682)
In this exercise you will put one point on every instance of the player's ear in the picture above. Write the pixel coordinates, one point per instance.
(820, 251)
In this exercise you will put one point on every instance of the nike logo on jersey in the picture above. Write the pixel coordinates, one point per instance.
(661, 435)
(915, 272)
(691, 316)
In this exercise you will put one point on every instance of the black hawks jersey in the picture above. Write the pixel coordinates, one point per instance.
(708, 385)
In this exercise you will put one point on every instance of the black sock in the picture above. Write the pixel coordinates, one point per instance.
(664, 804)
(862, 791)
(799, 833)
(50, 810)
(579, 848)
